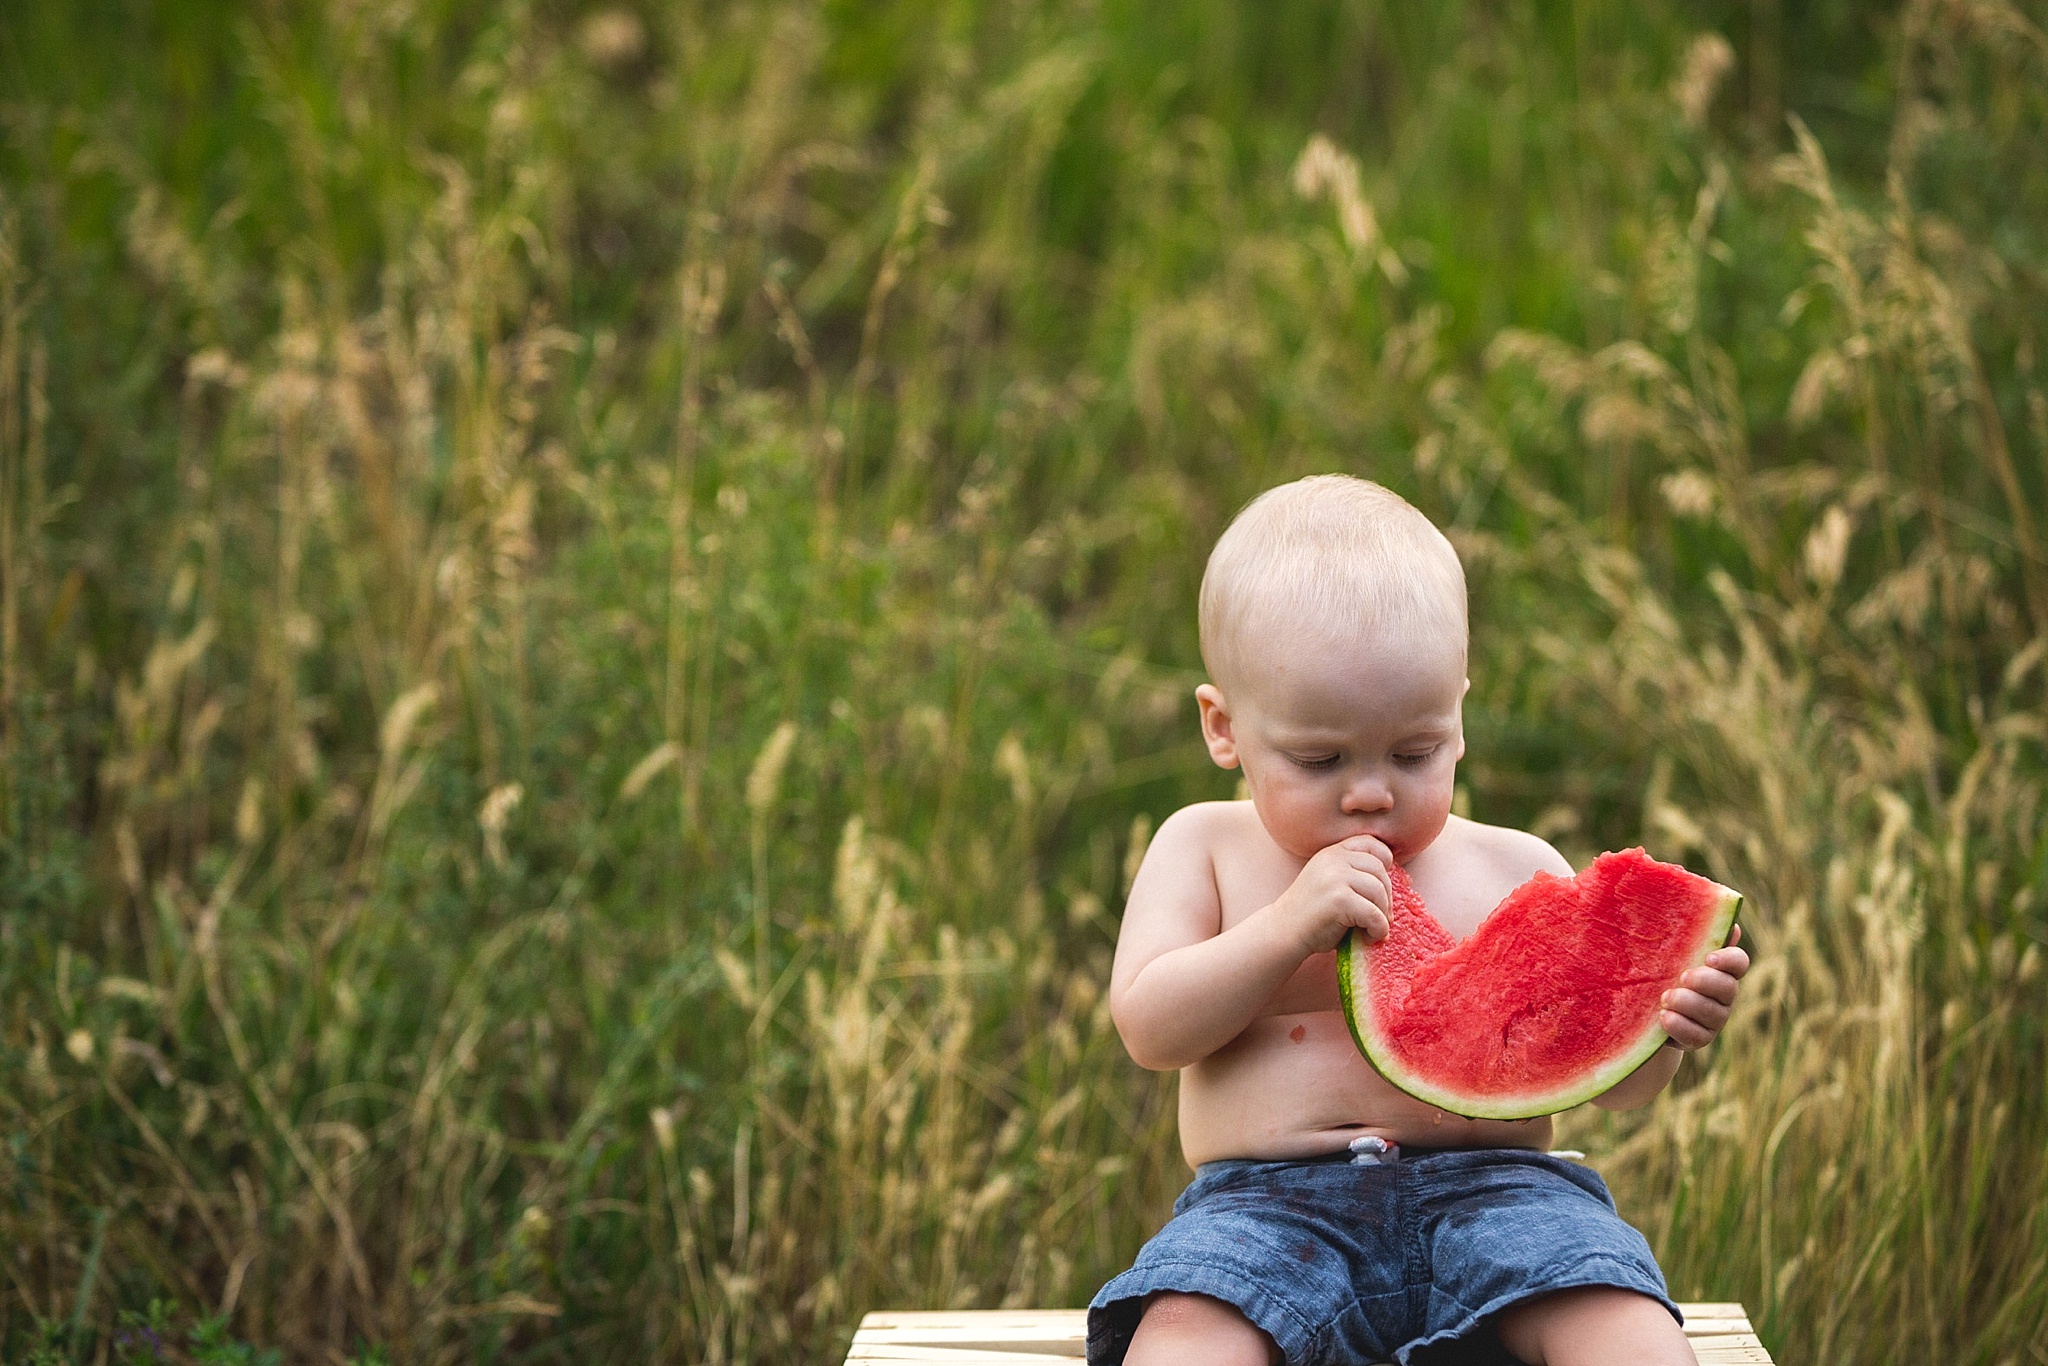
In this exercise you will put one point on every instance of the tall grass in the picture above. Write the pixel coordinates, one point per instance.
(597, 605)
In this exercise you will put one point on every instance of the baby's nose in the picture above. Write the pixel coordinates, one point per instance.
(1368, 792)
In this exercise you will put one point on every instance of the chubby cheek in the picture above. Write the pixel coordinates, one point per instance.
(1293, 818)
(1429, 810)
(1419, 833)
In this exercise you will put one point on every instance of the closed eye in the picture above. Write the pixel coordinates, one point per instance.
(1316, 761)
(1415, 759)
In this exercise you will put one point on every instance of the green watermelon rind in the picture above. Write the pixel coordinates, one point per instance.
(1351, 972)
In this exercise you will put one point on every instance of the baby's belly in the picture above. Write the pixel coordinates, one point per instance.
(1295, 1086)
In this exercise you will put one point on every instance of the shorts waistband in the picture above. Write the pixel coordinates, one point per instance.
(1367, 1151)
(1370, 1150)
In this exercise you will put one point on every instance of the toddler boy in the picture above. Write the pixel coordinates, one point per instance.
(1333, 1218)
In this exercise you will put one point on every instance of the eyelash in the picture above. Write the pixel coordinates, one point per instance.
(1330, 760)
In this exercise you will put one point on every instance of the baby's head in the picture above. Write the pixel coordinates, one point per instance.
(1333, 628)
(1323, 556)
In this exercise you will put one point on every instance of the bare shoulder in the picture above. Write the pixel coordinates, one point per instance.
(1174, 899)
(1209, 827)
(1182, 853)
(1512, 856)
(1192, 849)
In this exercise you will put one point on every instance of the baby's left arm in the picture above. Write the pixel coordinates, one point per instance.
(1693, 1013)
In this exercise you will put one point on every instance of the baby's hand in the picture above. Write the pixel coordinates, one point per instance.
(1343, 887)
(1695, 1010)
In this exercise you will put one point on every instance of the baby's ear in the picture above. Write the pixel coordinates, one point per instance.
(1216, 727)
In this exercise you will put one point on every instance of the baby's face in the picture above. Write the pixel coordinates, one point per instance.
(1341, 734)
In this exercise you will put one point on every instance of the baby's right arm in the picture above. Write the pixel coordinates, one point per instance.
(1183, 986)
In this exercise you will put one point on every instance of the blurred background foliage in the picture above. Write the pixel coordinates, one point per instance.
(598, 603)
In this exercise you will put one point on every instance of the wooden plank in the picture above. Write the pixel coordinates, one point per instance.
(1037, 1344)
(958, 1356)
(1057, 1333)
(909, 1318)
(1708, 1316)
(1043, 1329)
(1709, 1355)
(993, 1326)
(1041, 1344)
(1719, 1331)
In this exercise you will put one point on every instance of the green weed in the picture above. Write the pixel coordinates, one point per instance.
(597, 604)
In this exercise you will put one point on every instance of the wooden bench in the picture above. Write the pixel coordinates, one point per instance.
(1719, 1333)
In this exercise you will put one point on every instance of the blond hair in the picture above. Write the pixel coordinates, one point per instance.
(1330, 553)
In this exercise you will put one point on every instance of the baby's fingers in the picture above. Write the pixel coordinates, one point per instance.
(1712, 981)
(1371, 883)
(1695, 1008)
(1369, 912)
(1373, 924)
(1730, 960)
(1368, 844)
(1686, 1033)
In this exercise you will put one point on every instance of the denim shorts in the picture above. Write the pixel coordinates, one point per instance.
(1409, 1261)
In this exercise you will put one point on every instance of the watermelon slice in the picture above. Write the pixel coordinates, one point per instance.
(1550, 1002)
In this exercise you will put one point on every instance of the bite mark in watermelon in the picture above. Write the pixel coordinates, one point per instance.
(1551, 1001)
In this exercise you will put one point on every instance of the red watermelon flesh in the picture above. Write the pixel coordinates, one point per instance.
(1551, 1001)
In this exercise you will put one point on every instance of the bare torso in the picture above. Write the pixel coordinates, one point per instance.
(1292, 1083)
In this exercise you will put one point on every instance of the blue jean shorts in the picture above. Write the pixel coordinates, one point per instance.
(1409, 1261)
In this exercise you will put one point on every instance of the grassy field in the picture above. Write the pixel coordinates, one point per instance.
(596, 605)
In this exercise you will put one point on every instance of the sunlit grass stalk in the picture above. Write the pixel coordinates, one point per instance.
(428, 1014)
